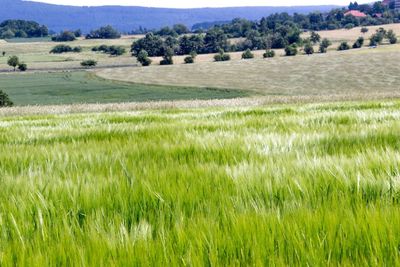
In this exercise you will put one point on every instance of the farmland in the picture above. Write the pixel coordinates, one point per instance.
(84, 87)
(285, 161)
(314, 184)
(354, 71)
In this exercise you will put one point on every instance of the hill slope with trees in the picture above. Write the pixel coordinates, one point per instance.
(126, 19)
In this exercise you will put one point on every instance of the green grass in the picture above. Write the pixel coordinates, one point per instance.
(290, 185)
(29, 40)
(83, 87)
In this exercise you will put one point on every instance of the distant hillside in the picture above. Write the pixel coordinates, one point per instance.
(126, 19)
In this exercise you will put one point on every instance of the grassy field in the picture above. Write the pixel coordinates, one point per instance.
(85, 87)
(361, 71)
(284, 185)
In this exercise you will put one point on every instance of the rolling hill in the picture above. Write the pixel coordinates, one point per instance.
(58, 17)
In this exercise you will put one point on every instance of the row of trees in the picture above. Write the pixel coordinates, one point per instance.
(307, 46)
(106, 32)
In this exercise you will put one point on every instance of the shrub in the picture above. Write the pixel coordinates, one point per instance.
(143, 58)
(269, 53)
(359, 43)
(77, 49)
(106, 32)
(168, 56)
(189, 60)
(343, 46)
(89, 63)
(315, 37)
(222, 56)
(247, 54)
(391, 36)
(323, 47)
(59, 49)
(364, 30)
(5, 100)
(308, 49)
(111, 50)
(22, 67)
(65, 36)
(349, 26)
(291, 50)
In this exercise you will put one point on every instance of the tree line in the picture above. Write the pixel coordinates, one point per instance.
(158, 47)
(22, 29)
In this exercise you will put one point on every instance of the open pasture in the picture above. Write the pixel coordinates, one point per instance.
(282, 185)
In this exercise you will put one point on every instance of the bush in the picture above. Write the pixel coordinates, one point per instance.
(106, 32)
(77, 49)
(291, 50)
(269, 53)
(22, 67)
(65, 36)
(143, 58)
(189, 60)
(5, 100)
(343, 46)
(111, 50)
(364, 30)
(323, 47)
(308, 49)
(391, 36)
(89, 63)
(359, 43)
(349, 26)
(59, 49)
(222, 56)
(247, 54)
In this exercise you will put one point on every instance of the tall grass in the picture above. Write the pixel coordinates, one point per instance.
(315, 185)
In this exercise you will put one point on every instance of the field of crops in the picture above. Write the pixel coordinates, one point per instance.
(84, 87)
(308, 185)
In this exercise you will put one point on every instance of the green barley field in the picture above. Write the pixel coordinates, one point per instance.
(279, 185)
(85, 87)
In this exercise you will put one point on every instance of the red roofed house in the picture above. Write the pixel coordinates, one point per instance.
(355, 13)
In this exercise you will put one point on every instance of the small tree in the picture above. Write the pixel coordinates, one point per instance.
(291, 50)
(343, 46)
(13, 61)
(359, 43)
(247, 54)
(168, 57)
(364, 30)
(22, 67)
(143, 58)
(269, 53)
(3, 53)
(5, 100)
(315, 37)
(89, 63)
(323, 47)
(308, 49)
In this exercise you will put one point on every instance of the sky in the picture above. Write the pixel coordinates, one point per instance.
(199, 3)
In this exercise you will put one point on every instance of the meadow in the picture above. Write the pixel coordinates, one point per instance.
(84, 87)
(278, 185)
